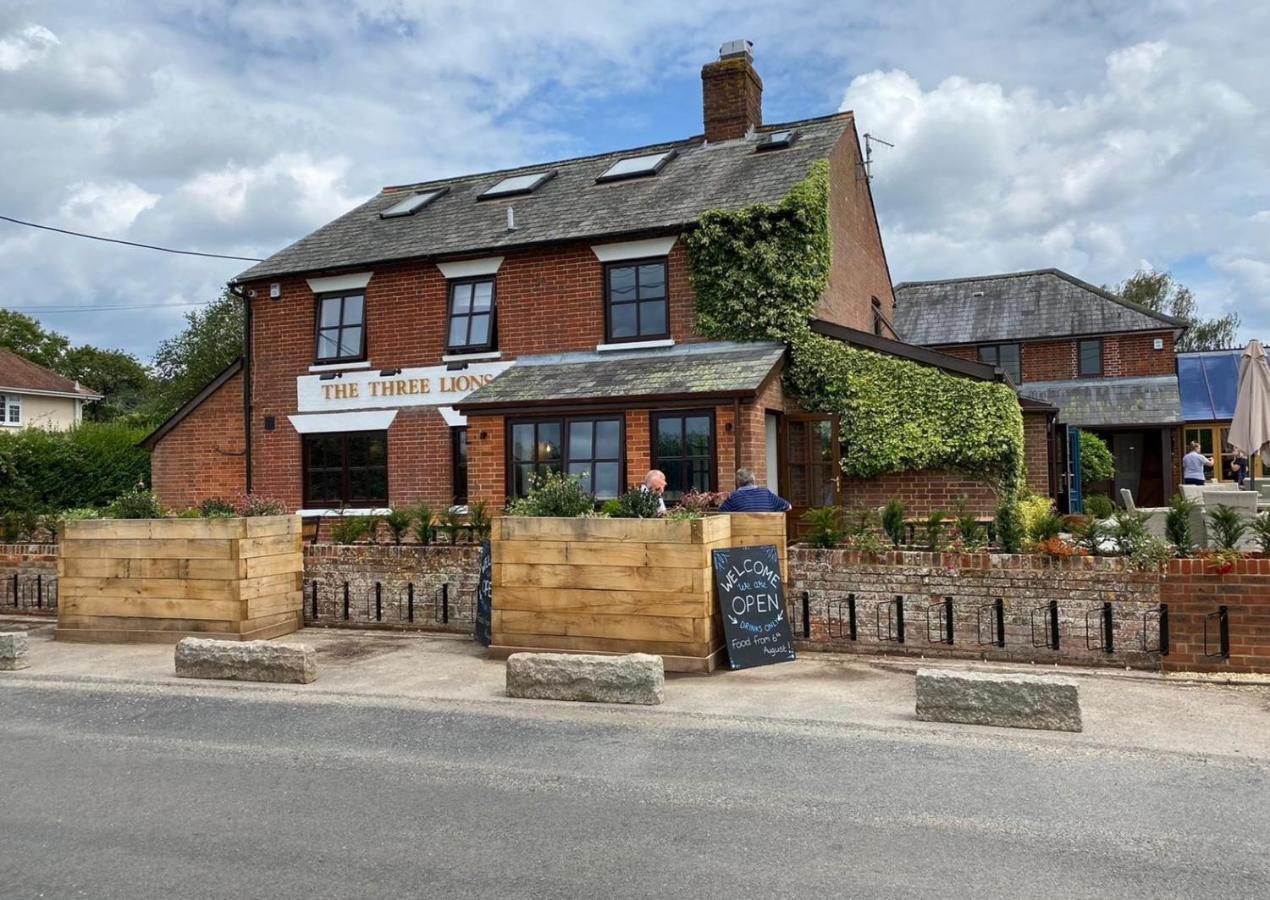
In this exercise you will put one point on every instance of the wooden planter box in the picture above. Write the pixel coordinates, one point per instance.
(159, 580)
(617, 585)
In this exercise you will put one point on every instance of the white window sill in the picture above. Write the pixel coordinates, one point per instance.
(342, 512)
(471, 357)
(635, 345)
(336, 367)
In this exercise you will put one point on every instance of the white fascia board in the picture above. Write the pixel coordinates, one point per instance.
(354, 281)
(470, 268)
(453, 417)
(365, 420)
(634, 249)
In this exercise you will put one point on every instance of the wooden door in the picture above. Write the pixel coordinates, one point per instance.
(811, 475)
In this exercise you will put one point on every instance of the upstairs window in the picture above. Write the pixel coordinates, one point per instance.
(10, 409)
(637, 166)
(1007, 356)
(471, 314)
(777, 140)
(341, 331)
(1090, 355)
(517, 184)
(411, 204)
(635, 301)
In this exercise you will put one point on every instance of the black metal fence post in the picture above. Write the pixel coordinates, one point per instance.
(1000, 605)
(806, 615)
(314, 602)
(851, 619)
(346, 601)
(410, 602)
(379, 602)
(1108, 629)
(1054, 622)
(1164, 629)
(899, 619)
(445, 603)
(39, 591)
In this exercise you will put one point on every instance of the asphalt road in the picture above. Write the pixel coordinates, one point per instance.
(146, 793)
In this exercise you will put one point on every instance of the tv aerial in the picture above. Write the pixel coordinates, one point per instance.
(869, 141)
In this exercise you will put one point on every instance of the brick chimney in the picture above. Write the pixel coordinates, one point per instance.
(731, 93)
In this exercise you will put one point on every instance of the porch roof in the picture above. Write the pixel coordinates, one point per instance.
(1111, 402)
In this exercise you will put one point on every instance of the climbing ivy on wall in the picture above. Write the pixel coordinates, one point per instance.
(758, 273)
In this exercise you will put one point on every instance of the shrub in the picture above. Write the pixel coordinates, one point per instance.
(478, 516)
(1177, 524)
(1032, 509)
(88, 465)
(1045, 528)
(1088, 534)
(826, 529)
(893, 521)
(1128, 531)
(425, 527)
(1009, 527)
(80, 513)
(351, 529)
(216, 508)
(258, 505)
(1228, 527)
(398, 523)
(135, 504)
(864, 532)
(700, 502)
(611, 508)
(970, 533)
(554, 495)
(933, 530)
(1099, 506)
(1096, 462)
(638, 504)
(452, 524)
(1057, 548)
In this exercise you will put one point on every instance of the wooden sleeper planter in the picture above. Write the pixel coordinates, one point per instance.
(617, 585)
(160, 580)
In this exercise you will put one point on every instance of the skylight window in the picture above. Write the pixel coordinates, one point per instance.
(637, 166)
(777, 140)
(412, 204)
(516, 184)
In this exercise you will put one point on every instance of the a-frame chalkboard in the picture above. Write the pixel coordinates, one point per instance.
(747, 583)
(485, 597)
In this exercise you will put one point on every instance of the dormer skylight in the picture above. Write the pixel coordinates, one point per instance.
(777, 140)
(412, 203)
(637, 166)
(517, 184)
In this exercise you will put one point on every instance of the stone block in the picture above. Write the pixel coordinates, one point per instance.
(246, 661)
(13, 647)
(1004, 699)
(632, 678)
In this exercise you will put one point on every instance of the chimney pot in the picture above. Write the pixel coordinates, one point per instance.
(731, 93)
(741, 48)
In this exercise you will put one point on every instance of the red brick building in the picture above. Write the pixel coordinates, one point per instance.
(1107, 365)
(446, 340)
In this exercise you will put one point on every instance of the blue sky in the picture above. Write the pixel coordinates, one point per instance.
(1096, 137)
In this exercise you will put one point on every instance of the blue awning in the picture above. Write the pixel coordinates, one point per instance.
(1208, 383)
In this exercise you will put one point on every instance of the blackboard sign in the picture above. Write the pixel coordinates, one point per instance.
(485, 597)
(747, 582)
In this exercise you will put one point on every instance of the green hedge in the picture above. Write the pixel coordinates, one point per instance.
(758, 274)
(90, 465)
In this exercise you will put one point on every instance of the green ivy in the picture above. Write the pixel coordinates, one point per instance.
(758, 274)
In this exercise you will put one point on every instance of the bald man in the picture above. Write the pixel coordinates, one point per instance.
(655, 482)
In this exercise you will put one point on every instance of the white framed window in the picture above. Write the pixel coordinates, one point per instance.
(10, 409)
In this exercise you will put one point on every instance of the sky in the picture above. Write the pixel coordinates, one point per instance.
(1097, 137)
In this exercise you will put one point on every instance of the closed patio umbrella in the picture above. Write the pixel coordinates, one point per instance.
(1250, 428)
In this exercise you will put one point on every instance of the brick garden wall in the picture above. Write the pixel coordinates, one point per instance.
(35, 567)
(1194, 592)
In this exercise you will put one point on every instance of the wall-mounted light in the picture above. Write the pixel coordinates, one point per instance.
(327, 376)
(455, 366)
(728, 428)
(384, 373)
(484, 435)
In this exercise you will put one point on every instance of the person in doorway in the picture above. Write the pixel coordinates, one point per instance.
(1193, 465)
(749, 497)
(1239, 467)
(655, 483)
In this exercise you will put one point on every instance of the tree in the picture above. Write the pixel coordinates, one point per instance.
(1158, 291)
(211, 340)
(27, 338)
(124, 382)
(1096, 462)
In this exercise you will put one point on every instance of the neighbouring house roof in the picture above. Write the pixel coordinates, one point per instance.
(1209, 383)
(1035, 305)
(568, 206)
(20, 375)
(722, 370)
(153, 438)
(1112, 402)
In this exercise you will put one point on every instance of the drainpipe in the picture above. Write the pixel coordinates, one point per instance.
(736, 436)
(238, 292)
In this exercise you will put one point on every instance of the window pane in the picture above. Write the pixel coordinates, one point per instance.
(328, 347)
(582, 470)
(367, 484)
(988, 355)
(462, 298)
(324, 450)
(1090, 357)
(697, 435)
(622, 320)
(351, 342)
(652, 281)
(652, 317)
(622, 284)
(330, 312)
(324, 487)
(458, 331)
(522, 442)
(353, 310)
(580, 440)
(669, 437)
(482, 295)
(608, 439)
(480, 331)
(606, 480)
(699, 476)
(549, 441)
(520, 478)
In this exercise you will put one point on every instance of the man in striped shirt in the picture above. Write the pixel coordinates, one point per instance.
(749, 497)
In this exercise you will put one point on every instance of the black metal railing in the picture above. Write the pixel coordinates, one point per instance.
(1048, 612)
(29, 592)
(994, 613)
(892, 613)
(393, 603)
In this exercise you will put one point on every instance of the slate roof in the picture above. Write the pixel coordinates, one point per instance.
(721, 369)
(569, 206)
(1045, 303)
(1107, 402)
(18, 374)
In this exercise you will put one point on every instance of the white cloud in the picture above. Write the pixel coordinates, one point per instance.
(25, 45)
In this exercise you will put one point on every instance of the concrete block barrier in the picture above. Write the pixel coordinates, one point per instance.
(631, 678)
(246, 661)
(13, 650)
(988, 698)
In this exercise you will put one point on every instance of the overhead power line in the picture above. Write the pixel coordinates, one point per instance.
(88, 308)
(108, 240)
